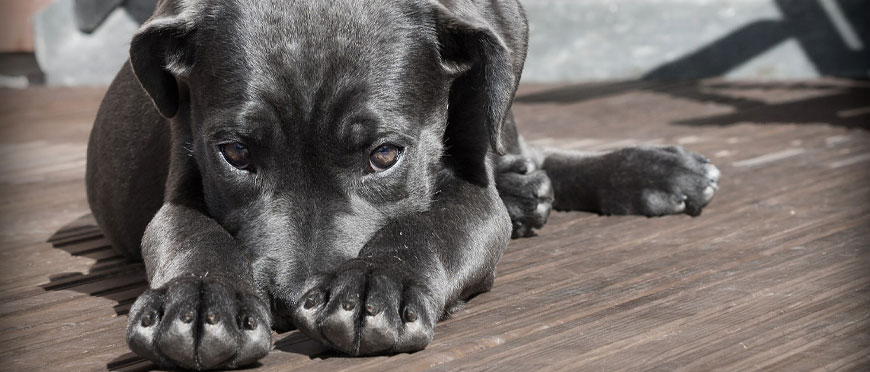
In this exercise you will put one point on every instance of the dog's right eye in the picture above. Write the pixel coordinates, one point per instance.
(236, 154)
(384, 157)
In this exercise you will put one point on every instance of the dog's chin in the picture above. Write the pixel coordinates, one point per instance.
(282, 316)
(282, 325)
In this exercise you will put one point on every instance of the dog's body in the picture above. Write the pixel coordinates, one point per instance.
(334, 167)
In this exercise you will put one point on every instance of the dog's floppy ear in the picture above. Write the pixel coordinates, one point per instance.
(487, 71)
(163, 50)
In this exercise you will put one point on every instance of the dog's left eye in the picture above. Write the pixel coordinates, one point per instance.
(236, 154)
(384, 157)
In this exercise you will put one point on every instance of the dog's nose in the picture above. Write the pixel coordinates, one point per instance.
(282, 317)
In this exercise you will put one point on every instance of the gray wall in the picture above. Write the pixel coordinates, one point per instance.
(571, 40)
(583, 40)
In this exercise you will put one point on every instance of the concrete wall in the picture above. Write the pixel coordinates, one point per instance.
(71, 57)
(578, 40)
(582, 40)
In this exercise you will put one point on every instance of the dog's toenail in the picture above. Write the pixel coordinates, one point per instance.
(211, 318)
(708, 192)
(250, 323)
(410, 315)
(187, 317)
(349, 305)
(372, 310)
(148, 320)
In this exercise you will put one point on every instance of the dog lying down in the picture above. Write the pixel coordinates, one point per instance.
(347, 168)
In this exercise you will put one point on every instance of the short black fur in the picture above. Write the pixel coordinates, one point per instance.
(310, 236)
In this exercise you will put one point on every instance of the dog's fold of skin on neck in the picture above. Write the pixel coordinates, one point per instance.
(306, 232)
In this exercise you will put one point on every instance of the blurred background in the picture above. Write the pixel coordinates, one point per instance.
(84, 42)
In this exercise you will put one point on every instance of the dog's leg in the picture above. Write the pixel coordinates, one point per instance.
(405, 278)
(202, 310)
(524, 188)
(526, 191)
(641, 180)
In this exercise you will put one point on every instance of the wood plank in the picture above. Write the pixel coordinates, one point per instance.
(772, 276)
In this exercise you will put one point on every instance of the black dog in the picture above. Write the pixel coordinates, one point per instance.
(348, 168)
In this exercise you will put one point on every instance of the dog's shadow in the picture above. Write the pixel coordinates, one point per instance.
(114, 277)
(110, 276)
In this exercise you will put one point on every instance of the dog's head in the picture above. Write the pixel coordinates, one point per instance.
(312, 123)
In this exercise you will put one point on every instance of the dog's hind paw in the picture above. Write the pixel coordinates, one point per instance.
(199, 324)
(656, 181)
(527, 194)
(367, 308)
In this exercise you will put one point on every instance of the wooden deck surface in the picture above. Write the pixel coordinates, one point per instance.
(775, 275)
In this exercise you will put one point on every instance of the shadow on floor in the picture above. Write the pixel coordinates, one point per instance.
(842, 105)
(848, 107)
(111, 276)
(297, 343)
(130, 362)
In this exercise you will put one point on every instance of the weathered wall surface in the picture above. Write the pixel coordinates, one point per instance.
(582, 40)
(571, 40)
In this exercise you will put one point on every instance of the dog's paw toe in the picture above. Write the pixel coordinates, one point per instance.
(513, 163)
(659, 203)
(657, 181)
(677, 181)
(199, 324)
(527, 194)
(701, 185)
(711, 172)
(145, 316)
(364, 309)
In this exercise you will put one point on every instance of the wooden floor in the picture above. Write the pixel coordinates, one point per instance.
(775, 275)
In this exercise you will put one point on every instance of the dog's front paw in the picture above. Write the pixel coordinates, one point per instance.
(526, 192)
(368, 308)
(658, 180)
(199, 324)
